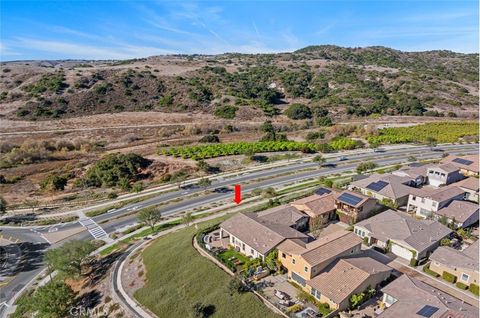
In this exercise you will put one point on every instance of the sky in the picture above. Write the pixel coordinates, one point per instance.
(109, 29)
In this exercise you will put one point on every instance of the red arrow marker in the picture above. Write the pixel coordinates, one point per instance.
(238, 194)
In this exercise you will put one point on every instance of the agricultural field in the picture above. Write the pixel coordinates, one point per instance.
(442, 132)
(175, 281)
(250, 148)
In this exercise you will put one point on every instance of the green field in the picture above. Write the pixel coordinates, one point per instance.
(178, 277)
(444, 132)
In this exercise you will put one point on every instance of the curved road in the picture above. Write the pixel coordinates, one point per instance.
(110, 222)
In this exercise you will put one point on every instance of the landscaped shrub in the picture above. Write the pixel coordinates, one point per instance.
(474, 289)
(449, 277)
(294, 308)
(427, 270)
(413, 262)
(461, 285)
(226, 111)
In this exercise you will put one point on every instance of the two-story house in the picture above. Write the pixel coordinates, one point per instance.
(443, 175)
(427, 202)
(468, 165)
(320, 206)
(353, 207)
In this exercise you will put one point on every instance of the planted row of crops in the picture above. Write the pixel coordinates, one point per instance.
(239, 148)
(444, 132)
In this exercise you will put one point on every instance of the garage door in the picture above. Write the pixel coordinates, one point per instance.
(401, 251)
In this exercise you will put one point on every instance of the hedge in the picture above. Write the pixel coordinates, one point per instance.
(427, 270)
(474, 289)
(413, 262)
(449, 277)
(461, 285)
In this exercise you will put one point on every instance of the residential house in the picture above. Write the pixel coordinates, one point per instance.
(462, 264)
(428, 201)
(462, 213)
(416, 172)
(389, 189)
(305, 260)
(468, 165)
(471, 186)
(286, 215)
(345, 277)
(353, 207)
(444, 174)
(408, 297)
(320, 207)
(402, 234)
(255, 235)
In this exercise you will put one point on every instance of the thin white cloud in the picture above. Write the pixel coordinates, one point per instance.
(82, 51)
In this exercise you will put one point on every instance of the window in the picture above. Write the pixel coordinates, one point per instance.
(414, 198)
(434, 204)
(283, 255)
(465, 277)
(305, 269)
(251, 251)
(443, 174)
(243, 246)
(315, 293)
(293, 261)
(423, 200)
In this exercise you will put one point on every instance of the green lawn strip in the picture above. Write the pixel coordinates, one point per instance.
(178, 277)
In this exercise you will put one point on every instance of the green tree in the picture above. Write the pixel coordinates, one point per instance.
(235, 285)
(53, 299)
(319, 159)
(431, 142)
(202, 165)
(445, 242)
(187, 218)
(150, 217)
(179, 177)
(204, 183)
(3, 205)
(272, 260)
(365, 166)
(69, 257)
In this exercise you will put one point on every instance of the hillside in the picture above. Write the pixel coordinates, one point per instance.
(332, 81)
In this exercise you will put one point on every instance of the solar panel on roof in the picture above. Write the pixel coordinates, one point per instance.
(349, 199)
(322, 191)
(462, 161)
(377, 186)
(427, 311)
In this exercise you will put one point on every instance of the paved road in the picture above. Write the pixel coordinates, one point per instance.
(271, 177)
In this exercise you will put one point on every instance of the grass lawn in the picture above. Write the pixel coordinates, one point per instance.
(178, 277)
(232, 253)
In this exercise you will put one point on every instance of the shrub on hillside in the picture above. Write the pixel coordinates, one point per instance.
(226, 111)
(298, 111)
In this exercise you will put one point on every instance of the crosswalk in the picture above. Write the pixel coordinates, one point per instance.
(94, 229)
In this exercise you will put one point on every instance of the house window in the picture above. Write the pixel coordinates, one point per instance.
(434, 204)
(293, 261)
(305, 269)
(465, 277)
(283, 255)
(423, 200)
(243, 246)
(443, 174)
(315, 293)
(251, 251)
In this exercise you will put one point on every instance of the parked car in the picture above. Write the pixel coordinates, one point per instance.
(286, 302)
(379, 150)
(342, 158)
(308, 313)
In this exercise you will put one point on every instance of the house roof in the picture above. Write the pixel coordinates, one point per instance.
(322, 249)
(340, 281)
(469, 162)
(440, 194)
(470, 183)
(460, 210)
(353, 199)
(413, 296)
(284, 214)
(414, 172)
(393, 186)
(451, 257)
(446, 167)
(472, 250)
(402, 228)
(261, 235)
(317, 204)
